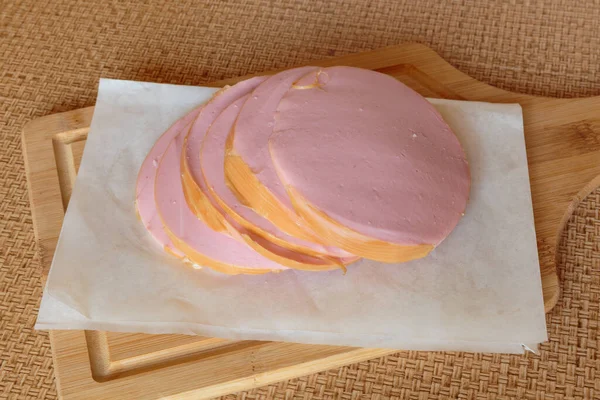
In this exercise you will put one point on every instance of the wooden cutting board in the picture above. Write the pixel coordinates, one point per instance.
(563, 148)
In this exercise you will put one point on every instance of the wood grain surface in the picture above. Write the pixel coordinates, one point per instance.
(563, 151)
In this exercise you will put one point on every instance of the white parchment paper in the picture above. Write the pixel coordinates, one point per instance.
(480, 290)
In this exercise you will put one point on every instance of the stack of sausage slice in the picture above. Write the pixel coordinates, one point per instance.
(309, 169)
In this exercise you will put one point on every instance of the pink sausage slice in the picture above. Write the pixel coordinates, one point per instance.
(248, 166)
(254, 126)
(201, 200)
(183, 225)
(144, 194)
(212, 159)
(373, 155)
(197, 185)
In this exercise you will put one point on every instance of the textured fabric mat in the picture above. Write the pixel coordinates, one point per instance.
(52, 54)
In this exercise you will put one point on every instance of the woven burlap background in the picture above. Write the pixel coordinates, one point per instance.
(53, 52)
